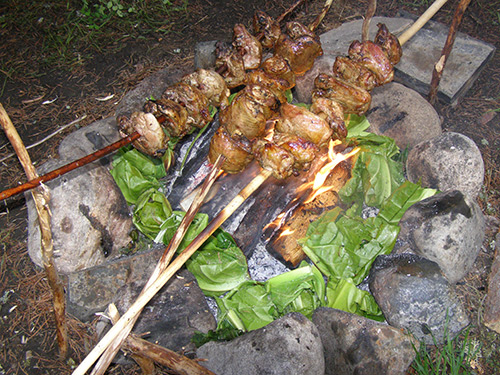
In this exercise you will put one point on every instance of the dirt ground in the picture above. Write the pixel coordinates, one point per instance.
(27, 339)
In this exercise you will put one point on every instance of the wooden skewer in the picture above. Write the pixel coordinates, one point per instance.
(370, 12)
(162, 279)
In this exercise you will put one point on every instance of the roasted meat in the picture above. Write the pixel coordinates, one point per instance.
(268, 27)
(273, 158)
(230, 63)
(277, 85)
(303, 123)
(389, 43)
(233, 149)
(248, 47)
(172, 115)
(372, 57)
(353, 99)
(299, 47)
(153, 140)
(193, 100)
(211, 84)
(333, 113)
(277, 66)
(248, 112)
(303, 151)
(354, 73)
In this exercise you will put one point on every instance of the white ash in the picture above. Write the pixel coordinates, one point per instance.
(232, 225)
(369, 211)
(262, 265)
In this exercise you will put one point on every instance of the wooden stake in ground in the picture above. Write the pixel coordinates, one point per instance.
(370, 12)
(41, 198)
(448, 46)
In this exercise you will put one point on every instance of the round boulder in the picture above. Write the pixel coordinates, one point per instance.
(402, 114)
(450, 161)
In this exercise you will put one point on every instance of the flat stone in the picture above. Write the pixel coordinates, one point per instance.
(420, 54)
(204, 55)
(290, 345)
(492, 303)
(357, 345)
(91, 290)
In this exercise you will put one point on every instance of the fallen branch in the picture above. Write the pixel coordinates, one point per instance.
(370, 12)
(314, 25)
(37, 181)
(162, 279)
(448, 46)
(41, 198)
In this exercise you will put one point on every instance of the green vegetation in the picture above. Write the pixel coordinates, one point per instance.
(67, 33)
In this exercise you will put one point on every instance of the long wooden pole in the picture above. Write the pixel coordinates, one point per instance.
(175, 266)
(41, 198)
(422, 20)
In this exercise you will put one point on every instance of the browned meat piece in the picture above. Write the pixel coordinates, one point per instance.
(299, 47)
(277, 85)
(237, 158)
(354, 73)
(333, 113)
(153, 140)
(389, 43)
(172, 115)
(248, 112)
(273, 158)
(277, 66)
(193, 100)
(303, 151)
(353, 99)
(270, 28)
(372, 57)
(248, 46)
(303, 123)
(230, 62)
(211, 84)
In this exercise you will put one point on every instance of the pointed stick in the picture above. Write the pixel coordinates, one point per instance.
(448, 46)
(41, 198)
(314, 25)
(370, 12)
(176, 264)
(112, 350)
(37, 181)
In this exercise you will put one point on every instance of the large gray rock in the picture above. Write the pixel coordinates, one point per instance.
(288, 346)
(414, 295)
(305, 84)
(450, 161)
(89, 216)
(446, 228)
(361, 346)
(402, 114)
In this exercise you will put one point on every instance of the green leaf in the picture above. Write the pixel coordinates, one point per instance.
(301, 290)
(356, 125)
(131, 181)
(344, 295)
(405, 196)
(151, 210)
(169, 226)
(219, 266)
(246, 308)
(149, 167)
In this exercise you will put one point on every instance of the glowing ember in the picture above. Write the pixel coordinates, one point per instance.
(286, 232)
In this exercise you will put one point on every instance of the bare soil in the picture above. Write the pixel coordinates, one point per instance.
(27, 339)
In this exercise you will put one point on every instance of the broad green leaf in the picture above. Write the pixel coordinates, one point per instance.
(149, 167)
(219, 266)
(247, 308)
(131, 181)
(151, 210)
(344, 295)
(356, 125)
(170, 225)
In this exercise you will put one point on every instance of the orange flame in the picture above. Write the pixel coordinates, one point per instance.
(286, 232)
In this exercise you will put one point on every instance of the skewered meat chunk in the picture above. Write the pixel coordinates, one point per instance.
(372, 57)
(270, 28)
(277, 66)
(153, 140)
(303, 123)
(354, 73)
(299, 47)
(237, 158)
(248, 46)
(193, 100)
(353, 99)
(248, 112)
(211, 84)
(273, 158)
(173, 116)
(277, 85)
(230, 62)
(389, 43)
(303, 151)
(333, 113)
